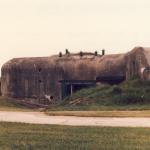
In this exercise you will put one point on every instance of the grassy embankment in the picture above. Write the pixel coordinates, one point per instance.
(15, 136)
(130, 98)
(8, 104)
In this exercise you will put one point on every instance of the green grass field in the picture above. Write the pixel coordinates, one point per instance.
(15, 136)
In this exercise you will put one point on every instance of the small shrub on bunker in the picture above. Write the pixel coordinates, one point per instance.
(116, 90)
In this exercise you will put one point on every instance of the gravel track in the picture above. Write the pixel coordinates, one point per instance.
(41, 118)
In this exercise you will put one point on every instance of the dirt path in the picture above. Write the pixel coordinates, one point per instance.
(41, 118)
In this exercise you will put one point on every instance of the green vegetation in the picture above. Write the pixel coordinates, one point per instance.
(7, 104)
(130, 95)
(15, 136)
(145, 113)
(131, 92)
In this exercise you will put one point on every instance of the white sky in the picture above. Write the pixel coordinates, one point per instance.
(45, 27)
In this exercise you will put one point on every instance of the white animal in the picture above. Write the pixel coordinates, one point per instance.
(49, 98)
(142, 70)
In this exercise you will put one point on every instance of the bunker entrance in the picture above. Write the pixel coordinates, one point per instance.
(111, 79)
(68, 87)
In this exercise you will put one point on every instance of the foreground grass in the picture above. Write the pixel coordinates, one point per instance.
(7, 104)
(15, 136)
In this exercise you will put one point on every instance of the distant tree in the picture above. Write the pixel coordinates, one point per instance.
(60, 54)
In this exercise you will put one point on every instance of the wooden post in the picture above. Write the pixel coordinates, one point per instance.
(71, 89)
(103, 52)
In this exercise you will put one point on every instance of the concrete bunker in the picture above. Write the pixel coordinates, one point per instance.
(0, 87)
(59, 77)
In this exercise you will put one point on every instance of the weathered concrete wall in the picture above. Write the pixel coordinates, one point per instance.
(137, 62)
(0, 87)
(35, 77)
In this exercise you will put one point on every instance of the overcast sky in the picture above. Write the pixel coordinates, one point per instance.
(45, 27)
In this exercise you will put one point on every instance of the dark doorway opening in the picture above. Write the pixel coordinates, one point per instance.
(111, 79)
(68, 87)
(78, 87)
